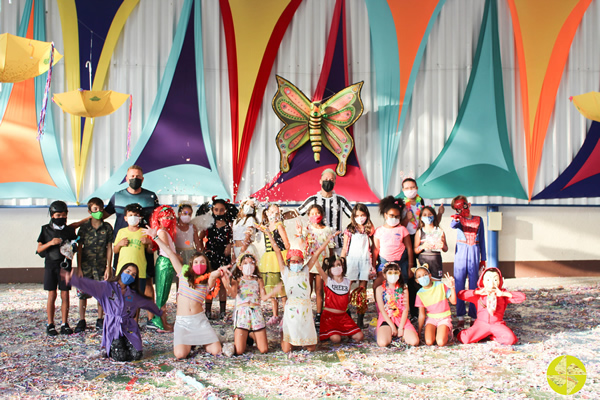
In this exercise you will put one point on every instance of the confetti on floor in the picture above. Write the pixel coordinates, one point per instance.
(552, 322)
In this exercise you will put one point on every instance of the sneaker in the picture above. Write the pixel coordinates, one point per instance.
(222, 316)
(317, 319)
(208, 314)
(99, 324)
(156, 321)
(150, 325)
(80, 326)
(65, 329)
(51, 330)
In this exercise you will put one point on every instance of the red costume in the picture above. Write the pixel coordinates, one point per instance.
(489, 324)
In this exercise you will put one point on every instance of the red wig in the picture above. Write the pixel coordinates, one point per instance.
(160, 213)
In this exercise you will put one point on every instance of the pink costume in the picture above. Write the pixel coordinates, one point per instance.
(488, 324)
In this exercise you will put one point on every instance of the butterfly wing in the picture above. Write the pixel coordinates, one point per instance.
(293, 109)
(340, 111)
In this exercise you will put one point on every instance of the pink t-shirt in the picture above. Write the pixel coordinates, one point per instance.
(391, 242)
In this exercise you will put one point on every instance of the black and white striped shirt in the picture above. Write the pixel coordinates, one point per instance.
(333, 206)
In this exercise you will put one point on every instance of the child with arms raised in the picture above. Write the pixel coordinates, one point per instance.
(434, 310)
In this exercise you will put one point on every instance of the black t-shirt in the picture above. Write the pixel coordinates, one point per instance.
(48, 233)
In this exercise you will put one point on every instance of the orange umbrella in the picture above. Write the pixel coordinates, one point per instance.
(588, 104)
(22, 58)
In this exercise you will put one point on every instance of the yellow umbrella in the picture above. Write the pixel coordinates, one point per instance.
(22, 58)
(588, 104)
(90, 103)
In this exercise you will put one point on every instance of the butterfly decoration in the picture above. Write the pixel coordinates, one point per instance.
(324, 123)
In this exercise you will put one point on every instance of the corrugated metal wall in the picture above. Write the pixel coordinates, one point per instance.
(144, 46)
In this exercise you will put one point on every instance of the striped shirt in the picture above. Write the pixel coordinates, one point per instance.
(197, 294)
(333, 206)
(434, 300)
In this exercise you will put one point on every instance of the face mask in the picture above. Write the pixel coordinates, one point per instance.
(336, 271)
(248, 209)
(411, 194)
(327, 185)
(424, 280)
(392, 221)
(167, 223)
(315, 219)
(135, 183)
(427, 220)
(392, 278)
(127, 279)
(97, 215)
(133, 220)
(199, 269)
(296, 267)
(248, 269)
(59, 221)
(219, 217)
(185, 219)
(361, 220)
(272, 217)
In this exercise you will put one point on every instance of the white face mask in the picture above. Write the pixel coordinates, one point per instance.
(411, 194)
(248, 269)
(185, 219)
(392, 221)
(296, 267)
(248, 209)
(392, 278)
(273, 217)
(133, 220)
(337, 271)
(360, 220)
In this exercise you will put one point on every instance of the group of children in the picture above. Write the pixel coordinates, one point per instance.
(214, 255)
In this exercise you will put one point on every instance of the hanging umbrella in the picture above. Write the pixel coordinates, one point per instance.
(22, 58)
(588, 104)
(94, 103)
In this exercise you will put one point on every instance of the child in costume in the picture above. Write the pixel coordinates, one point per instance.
(490, 299)
(196, 284)
(297, 325)
(163, 220)
(187, 241)
(248, 290)
(335, 321)
(392, 301)
(430, 241)
(269, 267)
(470, 252)
(121, 298)
(53, 237)
(312, 237)
(357, 251)
(244, 232)
(94, 257)
(434, 310)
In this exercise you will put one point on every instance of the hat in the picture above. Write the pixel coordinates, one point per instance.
(58, 206)
(422, 266)
(294, 253)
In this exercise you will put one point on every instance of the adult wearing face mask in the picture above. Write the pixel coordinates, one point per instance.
(333, 204)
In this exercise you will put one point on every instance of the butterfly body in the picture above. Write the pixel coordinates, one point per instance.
(322, 123)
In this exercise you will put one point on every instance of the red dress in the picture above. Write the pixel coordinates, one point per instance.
(337, 296)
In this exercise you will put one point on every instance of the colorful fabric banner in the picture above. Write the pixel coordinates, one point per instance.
(30, 168)
(544, 31)
(399, 33)
(174, 147)
(253, 32)
(477, 160)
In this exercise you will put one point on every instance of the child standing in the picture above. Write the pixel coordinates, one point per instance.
(392, 301)
(312, 237)
(121, 298)
(470, 252)
(248, 290)
(430, 240)
(357, 251)
(163, 220)
(335, 321)
(94, 257)
(187, 241)
(434, 310)
(269, 267)
(52, 237)
(392, 241)
(298, 329)
(244, 230)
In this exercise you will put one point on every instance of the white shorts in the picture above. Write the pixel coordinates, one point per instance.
(358, 268)
(194, 330)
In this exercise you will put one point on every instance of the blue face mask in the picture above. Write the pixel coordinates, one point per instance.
(428, 220)
(296, 267)
(424, 280)
(127, 279)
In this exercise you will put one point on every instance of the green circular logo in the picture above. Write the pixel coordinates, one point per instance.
(566, 375)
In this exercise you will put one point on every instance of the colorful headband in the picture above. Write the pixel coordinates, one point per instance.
(294, 253)
(423, 266)
(244, 255)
